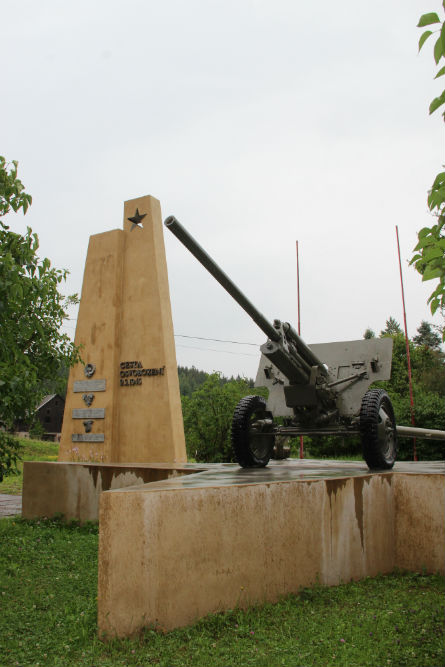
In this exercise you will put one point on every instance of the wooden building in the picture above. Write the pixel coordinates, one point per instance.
(50, 414)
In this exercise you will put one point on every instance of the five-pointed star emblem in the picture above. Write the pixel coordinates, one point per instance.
(136, 219)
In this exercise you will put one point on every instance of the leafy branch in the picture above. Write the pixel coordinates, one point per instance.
(12, 190)
(429, 257)
(32, 311)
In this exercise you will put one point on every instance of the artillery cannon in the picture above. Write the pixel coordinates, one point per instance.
(315, 390)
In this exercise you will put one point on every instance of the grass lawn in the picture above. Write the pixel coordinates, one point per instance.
(48, 581)
(32, 450)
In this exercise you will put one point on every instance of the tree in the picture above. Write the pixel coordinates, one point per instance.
(190, 379)
(429, 253)
(208, 417)
(430, 413)
(426, 336)
(428, 374)
(369, 333)
(392, 328)
(32, 348)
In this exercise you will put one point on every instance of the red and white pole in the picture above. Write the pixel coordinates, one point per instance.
(408, 358)
(299, 332)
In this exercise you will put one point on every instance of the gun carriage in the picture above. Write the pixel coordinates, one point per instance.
(313, 390)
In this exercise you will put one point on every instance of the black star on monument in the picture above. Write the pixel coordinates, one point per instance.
(136, 219)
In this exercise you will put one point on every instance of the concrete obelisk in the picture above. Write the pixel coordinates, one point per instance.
(123, 403)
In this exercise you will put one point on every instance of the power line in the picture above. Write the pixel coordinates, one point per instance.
(216, 340)
(210, 349)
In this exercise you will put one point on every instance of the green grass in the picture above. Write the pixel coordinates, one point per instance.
(48, 582)
(31, 450)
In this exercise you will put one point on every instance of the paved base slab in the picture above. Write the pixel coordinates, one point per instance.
(173, 551)
(73, 488)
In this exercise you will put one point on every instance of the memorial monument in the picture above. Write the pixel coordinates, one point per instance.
(124, 405)
(263, 532)
(122, 423)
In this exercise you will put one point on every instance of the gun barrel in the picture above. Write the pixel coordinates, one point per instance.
(303, 350)
(186, 239)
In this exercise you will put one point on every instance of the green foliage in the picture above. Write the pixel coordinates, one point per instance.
(9, 454)
(208, 417)
(190, 379)
(428, 378)
(32, 310)
(427, 336)
(30, 450)
(48, 588)
(429, 411)
(36, 429)
(57, 383)
(392, 328)
(333, 447)
(429, 253)
(369, 333)
(427, 365)
(12, 191)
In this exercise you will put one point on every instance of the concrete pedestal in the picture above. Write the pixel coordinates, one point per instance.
(73, 489)
(173, 551)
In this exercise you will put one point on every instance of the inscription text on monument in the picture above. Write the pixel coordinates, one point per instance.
(132, 372)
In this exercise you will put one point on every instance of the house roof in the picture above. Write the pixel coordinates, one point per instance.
(47, 399)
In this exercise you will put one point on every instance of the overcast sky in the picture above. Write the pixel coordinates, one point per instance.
(255, 123)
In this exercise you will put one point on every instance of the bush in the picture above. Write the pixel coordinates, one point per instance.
(9, 454)
(429, 412)
(208, 416)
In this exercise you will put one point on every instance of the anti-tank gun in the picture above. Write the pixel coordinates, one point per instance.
(315, 390)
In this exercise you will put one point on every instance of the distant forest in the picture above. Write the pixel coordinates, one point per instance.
(191, 379)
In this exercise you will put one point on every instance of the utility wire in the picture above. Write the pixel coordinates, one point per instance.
(216, 340)
(210, 349)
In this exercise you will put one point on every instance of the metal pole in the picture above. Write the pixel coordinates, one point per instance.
(299, 332)
(408, 358)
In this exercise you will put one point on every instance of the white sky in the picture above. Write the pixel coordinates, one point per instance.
(255, 123)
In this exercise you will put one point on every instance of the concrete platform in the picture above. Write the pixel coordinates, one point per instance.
(229, 474)
(74, 488)
(176, 549)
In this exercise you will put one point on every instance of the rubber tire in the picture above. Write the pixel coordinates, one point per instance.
(378, 452)
(248, 409)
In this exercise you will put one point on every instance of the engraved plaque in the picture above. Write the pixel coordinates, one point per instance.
(93, 413)
(88, 437)
(89, 385)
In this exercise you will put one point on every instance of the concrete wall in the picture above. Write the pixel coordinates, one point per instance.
(168, 557)
(73, 489)
(420, 522)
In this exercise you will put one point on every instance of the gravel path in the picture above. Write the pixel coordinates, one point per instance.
(10, 505)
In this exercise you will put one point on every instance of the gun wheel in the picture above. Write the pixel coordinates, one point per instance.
(252, 433)
(378, 430)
